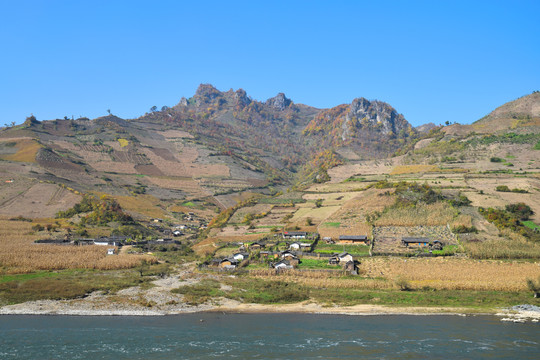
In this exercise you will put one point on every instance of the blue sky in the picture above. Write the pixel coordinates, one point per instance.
(434, 61)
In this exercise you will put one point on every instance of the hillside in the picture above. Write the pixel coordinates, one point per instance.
(350, 204)
(522, 115)
(211, 150)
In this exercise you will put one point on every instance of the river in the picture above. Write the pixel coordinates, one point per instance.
(266, 336)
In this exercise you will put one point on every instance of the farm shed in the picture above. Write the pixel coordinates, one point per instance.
(415, 241)
(353, 239)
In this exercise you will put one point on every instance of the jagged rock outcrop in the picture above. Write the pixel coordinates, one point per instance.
(279, 102)
(373, 113)
(241, 98)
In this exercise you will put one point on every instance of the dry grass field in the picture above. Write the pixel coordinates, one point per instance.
(350, 218)
(142, 204)
(18, 253)
(240, 214)
(414, 169)
(492, 198)
(423, 214)
(27, 149)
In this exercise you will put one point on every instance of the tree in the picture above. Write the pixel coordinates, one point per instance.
(109, 111)
(164, 108)
(153, 108)
(534, 287)
(521, 210)
(318, 203)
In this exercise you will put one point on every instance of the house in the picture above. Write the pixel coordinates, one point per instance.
(436, 245)
(340, 259)
(256, 246)
(353, 239)
(287, 255)
(228, 263)
(296, 246)
(158, 220)
(282, 265)
(344, 257)
(264, 254)
(415, 241)
(177, 233)
(294, 234)
(110, 251)
(240, 256)
(111, 240)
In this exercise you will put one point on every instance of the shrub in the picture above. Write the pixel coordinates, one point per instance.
(462, 229)
(402, 284)
(521, 210)
(496, 159)
(502, 188)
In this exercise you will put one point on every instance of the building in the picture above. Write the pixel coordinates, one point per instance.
(353, 239)
(283, 265)
(294, 234)
(415, 241)
(240, 256)
(228, 263)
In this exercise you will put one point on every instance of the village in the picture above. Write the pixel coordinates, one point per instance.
(293, 249)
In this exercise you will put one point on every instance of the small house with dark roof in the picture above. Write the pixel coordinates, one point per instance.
(353, 239)
(228, 263)
(257, 246)
(340, 259)
(297, 246)
(282, 265)
(415, 241)
(294, 234)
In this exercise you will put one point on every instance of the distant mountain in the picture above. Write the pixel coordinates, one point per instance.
(212, 148)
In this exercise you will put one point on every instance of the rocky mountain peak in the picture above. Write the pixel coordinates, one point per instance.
(378, 112)
(279, 102)
(241, 97)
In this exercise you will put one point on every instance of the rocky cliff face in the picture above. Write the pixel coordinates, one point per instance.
(279, 102)
(377, 113)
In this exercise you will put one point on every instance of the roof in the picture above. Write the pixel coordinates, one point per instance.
(352, 237)
(415, 240)
(231, 260)
(294, 233)
(343, 254)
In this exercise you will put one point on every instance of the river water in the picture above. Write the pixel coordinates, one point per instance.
(266, 336)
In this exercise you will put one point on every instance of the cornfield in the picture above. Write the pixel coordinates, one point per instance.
(18, 253)
(439, 274)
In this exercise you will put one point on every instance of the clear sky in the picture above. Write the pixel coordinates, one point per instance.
(434, 61)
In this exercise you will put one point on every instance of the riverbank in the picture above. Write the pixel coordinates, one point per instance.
(103, 305)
